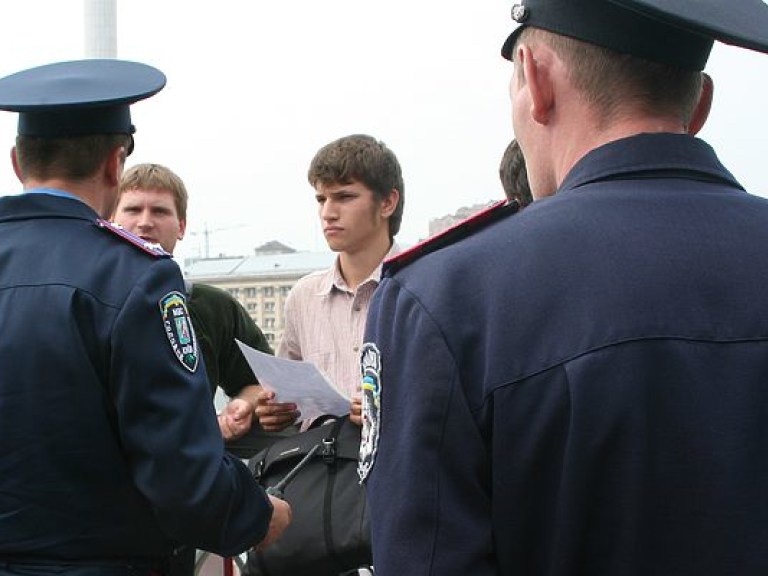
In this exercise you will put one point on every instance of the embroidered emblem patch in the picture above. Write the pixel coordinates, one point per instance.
(178, 328)
(370, 366)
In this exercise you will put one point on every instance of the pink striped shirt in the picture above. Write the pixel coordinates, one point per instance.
(325, 324)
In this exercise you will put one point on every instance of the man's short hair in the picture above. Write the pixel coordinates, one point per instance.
(363, 159)
(157, 177)
(514, 176)
(72, 158)
(612, 82)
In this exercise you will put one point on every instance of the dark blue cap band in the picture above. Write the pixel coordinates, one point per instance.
(77, 122)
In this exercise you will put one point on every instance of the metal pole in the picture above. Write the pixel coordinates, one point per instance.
(100, 28)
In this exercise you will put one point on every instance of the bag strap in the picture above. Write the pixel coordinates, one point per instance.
(277, 489)
(327, 449)
(343, 440)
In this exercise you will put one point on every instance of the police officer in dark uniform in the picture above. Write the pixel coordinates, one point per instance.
(110, 453)
(582, 387)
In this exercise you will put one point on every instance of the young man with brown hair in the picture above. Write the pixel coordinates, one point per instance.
(359, 192)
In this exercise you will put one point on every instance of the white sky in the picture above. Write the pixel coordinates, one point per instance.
(255, 87)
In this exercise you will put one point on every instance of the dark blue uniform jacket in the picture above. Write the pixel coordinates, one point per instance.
(109, 446)
(582, 388)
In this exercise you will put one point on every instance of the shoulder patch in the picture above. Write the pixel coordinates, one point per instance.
(179, 330)
(451, 235)
(149, 247)
(370, 366)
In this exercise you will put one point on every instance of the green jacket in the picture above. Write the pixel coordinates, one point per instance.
(218, 318)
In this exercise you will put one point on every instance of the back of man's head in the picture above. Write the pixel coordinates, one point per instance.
(75, 158)
(616, 83)
(361, 158)
(644, 55)
(73, 115)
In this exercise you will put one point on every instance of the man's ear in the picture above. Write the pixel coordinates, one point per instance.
(704, 105)
(389, 202)
(15, 162)
(536, 71)
(182, 228)
(113, 166)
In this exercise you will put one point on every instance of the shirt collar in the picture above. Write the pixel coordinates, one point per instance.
(54, 192)
(335, 281)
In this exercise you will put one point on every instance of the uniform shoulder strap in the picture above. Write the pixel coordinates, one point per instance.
(149, 247)
(455, 233)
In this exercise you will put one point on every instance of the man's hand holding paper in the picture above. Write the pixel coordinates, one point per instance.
(292, 390)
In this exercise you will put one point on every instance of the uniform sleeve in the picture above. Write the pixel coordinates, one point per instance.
(428, 486)
(290, 346)
(201, 496)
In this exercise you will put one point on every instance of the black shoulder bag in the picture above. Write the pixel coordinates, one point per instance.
(316, 473)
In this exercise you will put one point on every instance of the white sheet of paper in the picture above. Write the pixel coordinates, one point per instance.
(296, 381)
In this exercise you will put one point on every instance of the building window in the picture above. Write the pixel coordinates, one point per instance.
(234, 291)
(251, 292)
(251, 307)
(269, 307)
(269, 291)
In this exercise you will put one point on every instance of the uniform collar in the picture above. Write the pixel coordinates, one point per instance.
(44, 205)
(648, 155)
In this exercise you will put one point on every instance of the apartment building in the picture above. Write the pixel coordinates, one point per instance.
(260, 282)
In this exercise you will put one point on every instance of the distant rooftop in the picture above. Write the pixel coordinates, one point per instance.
(273, 247)
(269, 264)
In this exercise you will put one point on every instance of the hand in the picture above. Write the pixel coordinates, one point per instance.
(236, 419)
(274, 416)
(356, 410)
(281, 518)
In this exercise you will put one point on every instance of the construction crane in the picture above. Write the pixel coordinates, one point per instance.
(206, 234)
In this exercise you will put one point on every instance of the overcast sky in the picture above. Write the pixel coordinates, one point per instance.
(255, 87)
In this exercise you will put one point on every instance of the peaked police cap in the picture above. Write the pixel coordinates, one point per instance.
(78, 98)
(675, 32)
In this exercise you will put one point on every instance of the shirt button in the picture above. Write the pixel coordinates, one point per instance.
(356, 349)
(357, 308)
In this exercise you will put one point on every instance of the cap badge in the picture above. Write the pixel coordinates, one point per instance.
(519, 13)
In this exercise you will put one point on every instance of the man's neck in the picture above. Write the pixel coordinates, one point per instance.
(86, 190)
(357, 266)
(573, 148)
